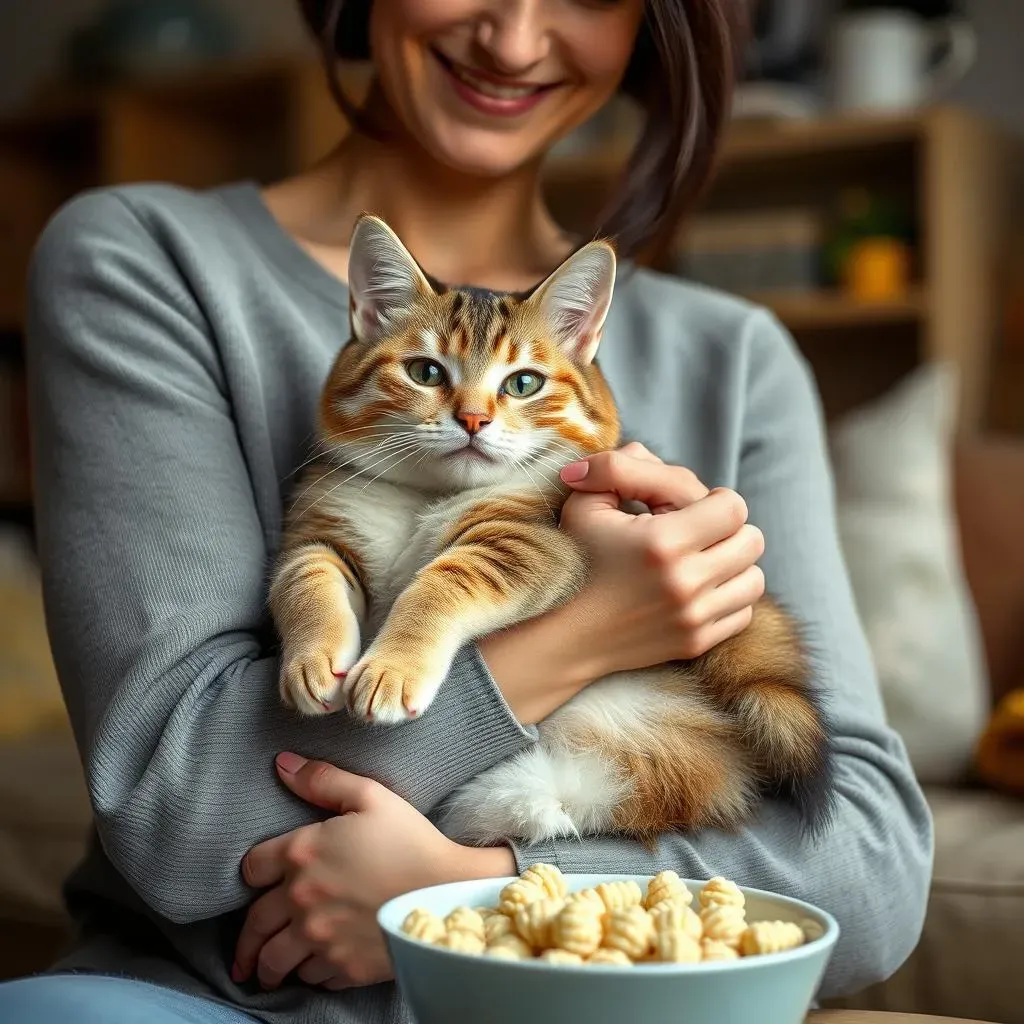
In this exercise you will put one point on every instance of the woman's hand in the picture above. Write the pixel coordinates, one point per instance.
(665, 585)
(328, 880)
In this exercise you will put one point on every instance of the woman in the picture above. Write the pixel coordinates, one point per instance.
(178, 342)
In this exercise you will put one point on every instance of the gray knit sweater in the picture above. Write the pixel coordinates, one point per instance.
(177, 344)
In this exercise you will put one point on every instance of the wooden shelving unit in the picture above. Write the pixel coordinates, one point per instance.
(267, 119)
(951, 168)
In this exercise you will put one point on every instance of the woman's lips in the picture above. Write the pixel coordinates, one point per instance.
(488, 96)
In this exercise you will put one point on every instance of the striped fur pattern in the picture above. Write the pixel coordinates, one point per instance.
(428, 517)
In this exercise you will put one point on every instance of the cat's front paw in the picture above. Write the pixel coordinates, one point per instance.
(387, 687)
(312, 675)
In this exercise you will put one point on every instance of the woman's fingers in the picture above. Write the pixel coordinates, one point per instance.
(720, 562)
(267, 916)
(658, 486)
(316, 971)
(707, 521)
(280, 956)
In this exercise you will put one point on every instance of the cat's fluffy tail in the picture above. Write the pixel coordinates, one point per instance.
(763, 677)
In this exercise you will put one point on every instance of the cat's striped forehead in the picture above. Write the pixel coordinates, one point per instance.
(474, 325)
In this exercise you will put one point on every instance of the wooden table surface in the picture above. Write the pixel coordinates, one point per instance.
(878, 1017)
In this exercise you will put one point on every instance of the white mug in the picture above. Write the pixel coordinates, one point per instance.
(886, 59)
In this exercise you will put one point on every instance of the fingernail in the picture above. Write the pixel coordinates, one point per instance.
(575, 471)
(290, 763)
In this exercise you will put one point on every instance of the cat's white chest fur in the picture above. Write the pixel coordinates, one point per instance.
(396, 531)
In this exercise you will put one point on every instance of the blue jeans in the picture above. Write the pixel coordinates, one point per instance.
(97, 999)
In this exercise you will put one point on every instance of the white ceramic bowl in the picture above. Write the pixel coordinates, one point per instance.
(443, 987)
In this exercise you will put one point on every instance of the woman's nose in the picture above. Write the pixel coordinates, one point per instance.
(514, 34)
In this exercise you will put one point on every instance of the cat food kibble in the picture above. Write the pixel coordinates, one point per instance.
(724, 923)
(497, 926)
(466, 920)
(423, 925)
(712, 949)
(578, 927)
(677, 917)
(619, 895)
(720, 891)
(548, 878)
(517, 894)
(610, 957)
(533, 921)
(561, 956)
(614, 924)
(770, 937)
(666, 885)
(674, 946)
(630, 930)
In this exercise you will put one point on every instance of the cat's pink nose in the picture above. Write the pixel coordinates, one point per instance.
(472, 422)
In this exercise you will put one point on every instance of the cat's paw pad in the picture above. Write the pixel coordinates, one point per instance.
(387, 689)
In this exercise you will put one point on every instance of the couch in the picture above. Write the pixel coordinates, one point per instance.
(970, 958)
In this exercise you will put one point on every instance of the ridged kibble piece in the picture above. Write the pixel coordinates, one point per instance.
(712, 949)
(721, 892)
(619, 895)
(812, 929)
(533, 921)
(630, 930)
(562, 957)
(612, 957)
(497, 926)
(465, 919)
(763, 937)
(517, 894)
(666, 885)
(578, 927)
(423, 925)
(460, 941)
(511, 947)
(676, 947)
(548, 878)
(591, 896)
(669, 916)
(724, 923)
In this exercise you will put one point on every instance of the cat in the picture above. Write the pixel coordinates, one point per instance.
(430, 518)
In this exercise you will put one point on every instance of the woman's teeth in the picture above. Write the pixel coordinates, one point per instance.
(488, 88)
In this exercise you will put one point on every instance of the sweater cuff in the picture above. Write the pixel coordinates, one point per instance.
(475, 728)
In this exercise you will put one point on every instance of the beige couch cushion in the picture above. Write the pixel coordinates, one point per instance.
(970, 961)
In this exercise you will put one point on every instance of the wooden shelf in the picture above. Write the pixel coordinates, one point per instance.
(828, 309)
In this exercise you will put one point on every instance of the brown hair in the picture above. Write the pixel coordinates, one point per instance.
(681, 73)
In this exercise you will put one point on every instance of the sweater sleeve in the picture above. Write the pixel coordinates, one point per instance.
(154, 561)
(872, 870)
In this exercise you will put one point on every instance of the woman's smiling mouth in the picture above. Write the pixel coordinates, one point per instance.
(488, 93)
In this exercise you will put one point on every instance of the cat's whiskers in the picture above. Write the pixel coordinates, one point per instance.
(344, 465)
(410, 443)
(387, 469)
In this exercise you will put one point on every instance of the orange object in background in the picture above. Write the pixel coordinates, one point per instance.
(877, 269)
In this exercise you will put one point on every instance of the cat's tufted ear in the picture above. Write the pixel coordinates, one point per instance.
(575, 299)
(384, 281)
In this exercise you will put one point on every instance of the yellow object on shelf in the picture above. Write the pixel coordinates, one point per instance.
(877, 270)
(1000, 755)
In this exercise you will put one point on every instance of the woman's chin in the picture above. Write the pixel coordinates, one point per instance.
(483, 154)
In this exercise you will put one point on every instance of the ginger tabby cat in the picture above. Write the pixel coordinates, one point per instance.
(429, 518)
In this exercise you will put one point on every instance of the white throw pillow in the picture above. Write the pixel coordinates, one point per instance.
(897, 521)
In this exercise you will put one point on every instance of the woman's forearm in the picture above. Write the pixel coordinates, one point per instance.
(539, 665)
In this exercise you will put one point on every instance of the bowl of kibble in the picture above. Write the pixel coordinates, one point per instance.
(548, 947)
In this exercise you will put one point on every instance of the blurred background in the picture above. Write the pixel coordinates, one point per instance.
(870, 192)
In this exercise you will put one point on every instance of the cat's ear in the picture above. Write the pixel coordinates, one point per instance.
(575, 299)
(384, 281)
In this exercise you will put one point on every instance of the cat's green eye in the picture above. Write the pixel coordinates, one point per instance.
(523, 384)
(426, 372)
